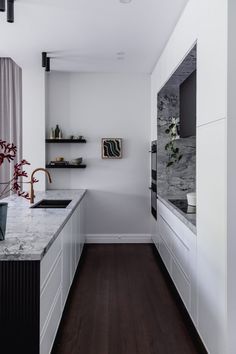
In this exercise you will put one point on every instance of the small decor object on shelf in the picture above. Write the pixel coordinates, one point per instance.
(59, 159)
(8, 153)
(111, 148)
(76, 161)
(59, 163)
(57, 132)
(173, 152)
(52, 133)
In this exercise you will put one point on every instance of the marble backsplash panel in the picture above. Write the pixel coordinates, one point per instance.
(180, 178)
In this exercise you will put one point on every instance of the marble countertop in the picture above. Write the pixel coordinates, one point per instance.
(188, 219)
(31, 232)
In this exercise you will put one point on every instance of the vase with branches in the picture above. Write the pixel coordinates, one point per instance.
(15, 184)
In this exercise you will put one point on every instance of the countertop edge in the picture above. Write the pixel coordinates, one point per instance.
(61, 227)
(179, 214)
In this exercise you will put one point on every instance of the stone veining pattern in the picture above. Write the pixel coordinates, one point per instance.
(31, 232)
(180, 178)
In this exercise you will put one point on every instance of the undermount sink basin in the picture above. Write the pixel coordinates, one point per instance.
(51, 203)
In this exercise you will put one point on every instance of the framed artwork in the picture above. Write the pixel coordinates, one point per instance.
(111, 148)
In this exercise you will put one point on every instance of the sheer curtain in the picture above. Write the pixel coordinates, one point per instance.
(10, 111)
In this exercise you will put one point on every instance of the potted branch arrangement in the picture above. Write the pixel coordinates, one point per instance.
(8, 154)
(174, 155)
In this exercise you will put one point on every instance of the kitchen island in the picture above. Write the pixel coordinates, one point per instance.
(38, 261)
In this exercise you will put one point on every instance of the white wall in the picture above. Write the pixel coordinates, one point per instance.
(205, 22)
(231, 178)
(33, 106)
(97, 106)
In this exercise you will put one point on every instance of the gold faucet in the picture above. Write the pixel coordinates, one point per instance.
(32, 182)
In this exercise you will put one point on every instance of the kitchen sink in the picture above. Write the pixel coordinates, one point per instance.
(51, 203)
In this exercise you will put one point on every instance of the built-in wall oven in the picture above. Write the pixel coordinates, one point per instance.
(153, 187)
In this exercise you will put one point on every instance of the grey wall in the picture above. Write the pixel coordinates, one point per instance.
(100, 106)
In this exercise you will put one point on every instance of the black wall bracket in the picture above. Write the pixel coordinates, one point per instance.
(46, 62)
(10, 9)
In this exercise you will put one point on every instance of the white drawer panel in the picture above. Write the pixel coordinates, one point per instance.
(48, 260)
(155, 239)
(50, 290)
(49, 334)
(164, 232)
(182, 254)
(182, 284)
(165, 255)
(184, 233)
(177, 247)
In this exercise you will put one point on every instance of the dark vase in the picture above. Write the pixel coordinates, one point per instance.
(3, 220)
(57, 131)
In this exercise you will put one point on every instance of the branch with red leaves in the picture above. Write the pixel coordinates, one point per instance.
(8, 153)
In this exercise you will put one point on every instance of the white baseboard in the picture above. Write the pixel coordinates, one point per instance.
(119, 238)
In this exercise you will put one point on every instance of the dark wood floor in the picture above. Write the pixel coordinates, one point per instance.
(121, 303)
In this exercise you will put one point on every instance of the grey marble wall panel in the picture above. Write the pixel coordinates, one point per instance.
(180, 178)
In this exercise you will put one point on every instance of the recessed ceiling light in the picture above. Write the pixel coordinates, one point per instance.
(125, 1)
(120, 53)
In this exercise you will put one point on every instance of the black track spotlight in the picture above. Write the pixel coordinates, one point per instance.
(44, 59)
(10, 11)
(2, 5)
(48, 64)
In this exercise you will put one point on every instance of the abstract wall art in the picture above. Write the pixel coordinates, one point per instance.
(111, 148)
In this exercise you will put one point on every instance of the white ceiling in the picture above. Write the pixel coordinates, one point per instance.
(86, 35)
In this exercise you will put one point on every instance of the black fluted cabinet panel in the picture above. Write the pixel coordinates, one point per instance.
(19, 306)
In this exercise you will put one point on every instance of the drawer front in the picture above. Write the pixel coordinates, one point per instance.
(165, 255)
(184, 233)
(50, 290)
(50, 331)
(67, 261)
(182, 255)
(164, 232)
(175, 245)
(182, 284)
(48, 261)
(155, 238)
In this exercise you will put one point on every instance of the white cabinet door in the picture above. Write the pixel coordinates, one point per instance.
(76, 237)
(48, 336)
(182, 284)
(67, 260)
(165, 254)
(177, 248)
(82, 225)
(155, 233)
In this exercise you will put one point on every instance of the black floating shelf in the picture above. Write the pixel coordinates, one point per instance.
(66, 166)
(78, 141)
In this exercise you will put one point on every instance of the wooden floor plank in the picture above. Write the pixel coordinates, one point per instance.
(121, 303)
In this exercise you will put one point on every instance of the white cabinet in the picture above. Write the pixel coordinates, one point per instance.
(177, 247)
(57, 270)
(67, 259)
(76, 238)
